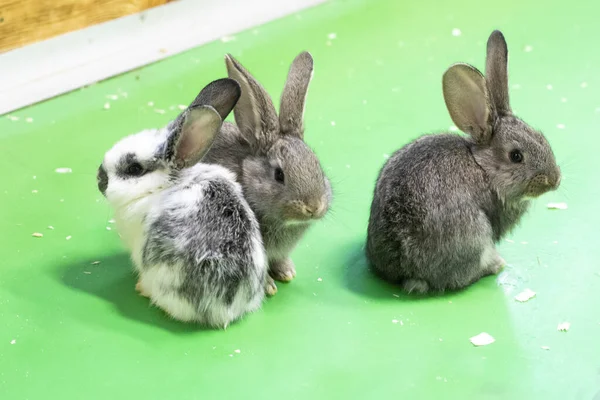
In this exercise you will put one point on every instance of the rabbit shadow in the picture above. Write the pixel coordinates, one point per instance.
(113, 280)
(360, 278)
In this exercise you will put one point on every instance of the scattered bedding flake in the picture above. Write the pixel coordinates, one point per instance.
(50, 227)
(111, 221)
(108, 228)
(13, 341)
(545, 347)
(159, 110)
(227, 39)
(95, 262)
(394, 321)
(386, 156)
(483, 339)
(237, 351)
(112, 97)
(319, 280)
(332, 123)
(68, 237)
(150, 104)
(453, 128)
(106, 105)
(395, 295)
(524, 242)
(528, 49)
(525, 295)
(63, 170)
(563, 100)
(549, 87)
(557, 206)
(34, 191)
(456, 32)
(509, 240)
(29, 119)
(37, 234)
(332, 36)
(563, 326)
(87, 272)
(181, 107)
(560, 126)
(583, 85)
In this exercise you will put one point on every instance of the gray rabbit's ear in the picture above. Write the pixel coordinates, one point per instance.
(190, 141)
(496, 72)
(255, 114)
(466, 98)
(293, 99)
(222, 95)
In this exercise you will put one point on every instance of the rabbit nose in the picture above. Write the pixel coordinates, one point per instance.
(308, 211)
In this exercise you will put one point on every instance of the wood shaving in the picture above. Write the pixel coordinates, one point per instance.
(159, 111)
(181, 107)
(483, 339)
(545, 348)
(13, 341)
(34, 191)
(563, 326)
(95, 262)
(525, 295)
(319, 280)
(29, 119)
(63, 170)
(557, 206)
(237, 351)
(87, 272)
(50, 227)
(108, 228)
(111, 221)
(37, 235)
(106, 105)
(150, 104)
(68, 237)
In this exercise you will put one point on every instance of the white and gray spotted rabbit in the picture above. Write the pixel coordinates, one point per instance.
(194, 240)
(281, 176)
(443, 201)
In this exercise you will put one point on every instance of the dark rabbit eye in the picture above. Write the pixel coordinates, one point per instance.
(135, 169)
(279, 176)
(516, 156)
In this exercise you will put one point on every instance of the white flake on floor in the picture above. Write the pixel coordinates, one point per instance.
(13, 341)
(557, 206)
(545, 347)
(528, 48)
(332, 36)
(29, 119)
(456, 32)
(332, 123)
(68, 237)
(560, 126)
(583, 85)
(525, 295)
(106, 105)
(453, 128)
(549, 87)
(63, 170)
(228, 38)
(37, 234)
(563, 326)
(483, 339)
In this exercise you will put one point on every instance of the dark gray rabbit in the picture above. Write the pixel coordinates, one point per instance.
(194, 240)
(281, 177)
(443, 201)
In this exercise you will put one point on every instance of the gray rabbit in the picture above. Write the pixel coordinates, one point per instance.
(443, 201)
(281, 176)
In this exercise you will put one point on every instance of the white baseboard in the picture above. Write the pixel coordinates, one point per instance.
(46, 69)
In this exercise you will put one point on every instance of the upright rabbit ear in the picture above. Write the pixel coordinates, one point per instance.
(222, 95)
(496, 72)
(254, 114)
(190, 141)
(293, 98)
(467, 101)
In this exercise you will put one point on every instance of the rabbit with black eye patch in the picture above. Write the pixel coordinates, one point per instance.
(443, 201)
(281, 176)
(194, 240)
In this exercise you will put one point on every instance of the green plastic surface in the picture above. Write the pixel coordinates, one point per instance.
(73, 330)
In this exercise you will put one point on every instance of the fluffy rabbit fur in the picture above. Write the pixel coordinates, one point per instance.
(443, 201)
(194, 240)
(281, 177)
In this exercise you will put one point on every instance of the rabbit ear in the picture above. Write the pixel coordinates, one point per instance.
(293, 99)
(466, 99)
(189, 141)
(254, 114)
(496, 72)
(222, 95)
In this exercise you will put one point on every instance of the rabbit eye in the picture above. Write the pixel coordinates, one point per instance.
(279, 176)
(135, 169)
(516, 156)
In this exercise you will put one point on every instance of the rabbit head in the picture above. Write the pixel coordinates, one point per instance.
(517, 158)
(283, 178)
(148, 162)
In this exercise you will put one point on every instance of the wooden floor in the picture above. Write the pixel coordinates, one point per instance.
(27, 21)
